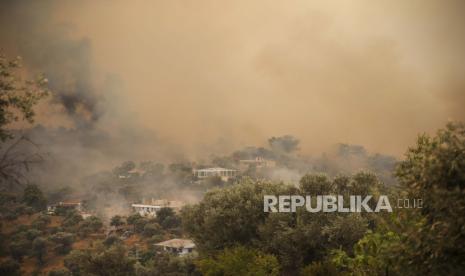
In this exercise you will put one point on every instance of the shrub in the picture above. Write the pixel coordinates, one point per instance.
(9, 267)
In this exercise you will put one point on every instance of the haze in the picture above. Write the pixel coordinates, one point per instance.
(205, 77)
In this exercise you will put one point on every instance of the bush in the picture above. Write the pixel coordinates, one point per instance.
(34, 198)
(116, 221)
(112, 261)
(151, 229)
(11, 216)
(59, 272)
(90, 225)
(319, 269)
(166, 264)
(31, 234)
(240, 261)
(164, 213)
(72, 219)
(171, 222)
(156, 239)
(39, 248)
(9, 267)
(112, 240)
(63, 242)
(41, 222)
(19, 248)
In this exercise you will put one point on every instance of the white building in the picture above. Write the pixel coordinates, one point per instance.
(146, 209)
(66, 206)
(225, 174)
(152, 207)
(52, 209)
(177, 246)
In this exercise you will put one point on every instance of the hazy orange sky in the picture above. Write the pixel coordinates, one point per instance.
(214, 75)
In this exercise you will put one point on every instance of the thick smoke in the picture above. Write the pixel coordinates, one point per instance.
(50, 48)
(75, 137)
(171, 81)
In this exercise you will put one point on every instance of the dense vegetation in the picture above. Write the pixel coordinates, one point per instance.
(414, 241)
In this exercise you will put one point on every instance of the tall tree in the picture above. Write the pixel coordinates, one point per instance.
(434, 171)
(284, 144)
(39, 248)
(17, 100)
(116, 221)
(34, 197)
(240, 261)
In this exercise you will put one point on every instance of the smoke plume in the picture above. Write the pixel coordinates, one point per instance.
(165, 80)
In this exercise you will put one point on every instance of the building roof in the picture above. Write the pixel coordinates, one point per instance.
(160, 203)
(66, 204)
(214, 170)
(146, 205)
(177, 243)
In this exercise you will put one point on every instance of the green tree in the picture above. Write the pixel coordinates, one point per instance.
(63, 242)
(124, 169)
(375, 254)
(17, 96)
(167, 218)
(344, 231)
(434, 171)
(161, 264)
(171, 222)
(320, 269)
(77, 261)
(240, 261)
(105, 262)
(151, 229)
(284, 144)
(428, 240)
(31, 234)
(19, 248)
(34, 197)
(226, 217)
(112, 240)
(134, 219)
(9, 267)
(17, 100)
(116, 221)
(39, 248)
(59, 272)
(234, 216)
(72, 219)
(163, 213)
(41, 222)
(91, 224)
(140, 225)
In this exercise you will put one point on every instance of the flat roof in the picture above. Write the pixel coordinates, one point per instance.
(177, 243)
(146, 205)
(214, 170)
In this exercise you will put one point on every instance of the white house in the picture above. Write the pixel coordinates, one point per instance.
(152, 207)
(225, 174)
(52, 209)
(146, 209)
(65, 206)
(177, 246)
